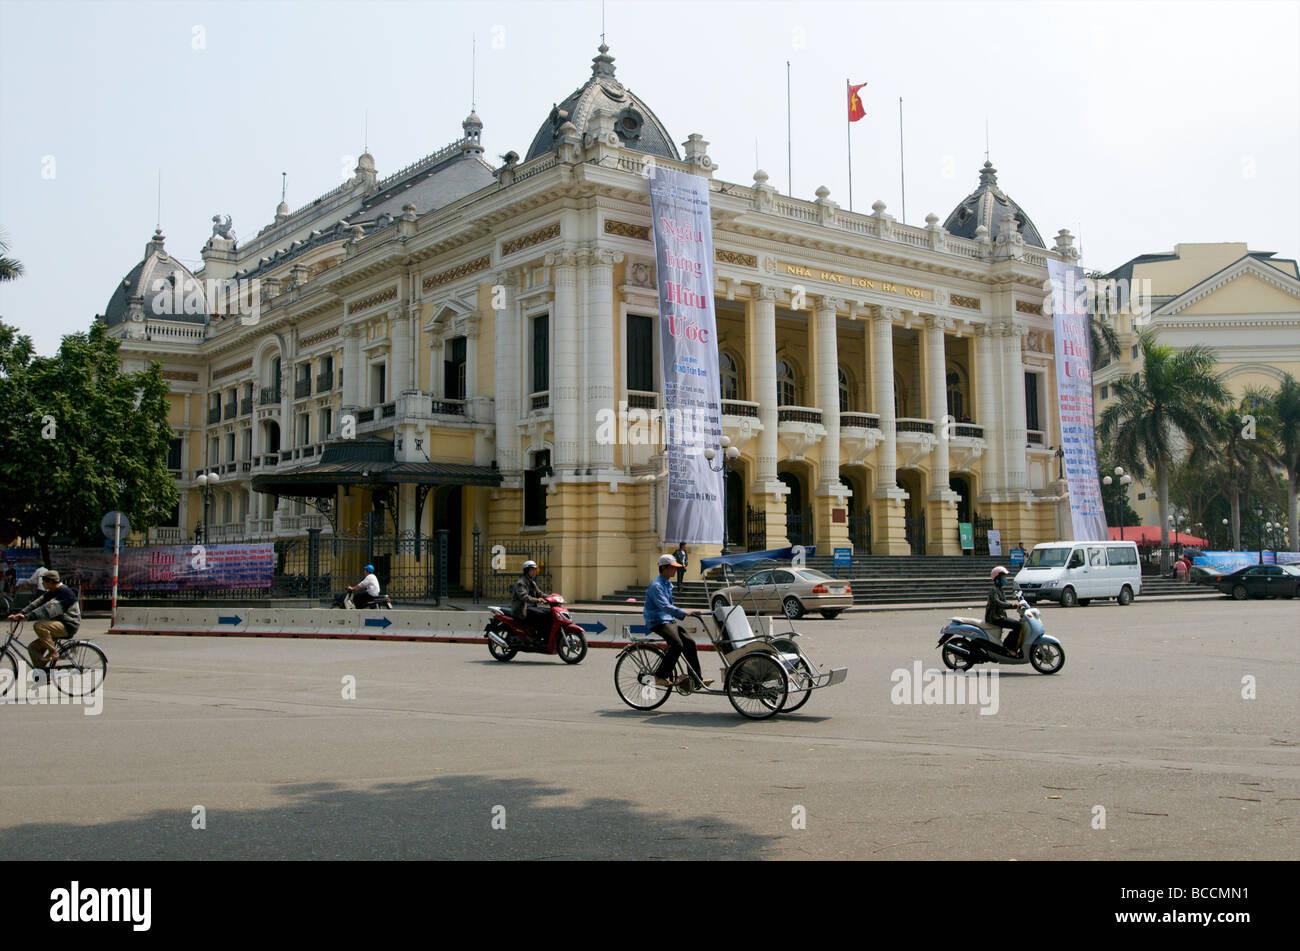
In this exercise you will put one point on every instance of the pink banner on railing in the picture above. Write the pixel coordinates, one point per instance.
(174, 567)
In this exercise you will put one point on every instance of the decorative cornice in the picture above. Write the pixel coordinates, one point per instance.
(184, 376)
(233, 368)
(1246, 265)
(373, 299)
(1026, 307)
(735, 257)
(532, 238)
(469, 267)
(627, 230)
(313, 339)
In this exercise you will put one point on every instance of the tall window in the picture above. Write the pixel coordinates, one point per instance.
(956, 402)
(786, 391)
(230, 447)
(304, 429)
(1031, 401)
(378, 372)
(640, 353)
(730, 376)
(454, 369)
(541, 353)
(246, 444)
(534, 491)
(174, 454)
(326, 422)
(846, 392)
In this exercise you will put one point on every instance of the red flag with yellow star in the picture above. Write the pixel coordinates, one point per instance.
(856, 109)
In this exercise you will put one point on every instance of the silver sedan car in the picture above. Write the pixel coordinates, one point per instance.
(791, 591)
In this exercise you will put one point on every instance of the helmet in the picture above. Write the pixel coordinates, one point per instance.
(529, 564)
(369, 568)
(999, 570)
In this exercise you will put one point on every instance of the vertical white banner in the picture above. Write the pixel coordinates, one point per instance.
(1074, 400)
(688, 337)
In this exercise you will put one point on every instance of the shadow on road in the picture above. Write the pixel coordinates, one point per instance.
(447, 817)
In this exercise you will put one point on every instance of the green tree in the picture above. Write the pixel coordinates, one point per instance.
(80, 437)
(10, 268)
(1176, 393)
(1232, 459)
(1102, 339)
(1284, 413)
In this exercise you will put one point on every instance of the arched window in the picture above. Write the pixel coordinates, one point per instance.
(846, 392)
(786, 388)
(730, 376)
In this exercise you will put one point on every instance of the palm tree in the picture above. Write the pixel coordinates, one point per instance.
(1229, 459)
(1176, 393)
(10, 268)
(1284, 417)
(1101, 332)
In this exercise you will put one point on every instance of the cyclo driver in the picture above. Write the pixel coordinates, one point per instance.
(661, 616)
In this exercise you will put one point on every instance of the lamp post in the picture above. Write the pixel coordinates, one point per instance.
(1124, 481)
(207, 484)
(1226, 535)
(1259, 529)
(729, 455)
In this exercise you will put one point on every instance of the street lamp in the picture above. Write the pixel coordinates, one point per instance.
(1124, 481)
(1226, 535)
(729, 455)
(1259, 529)
(207, 483)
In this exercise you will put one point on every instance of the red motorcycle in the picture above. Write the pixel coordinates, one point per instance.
(508, 636)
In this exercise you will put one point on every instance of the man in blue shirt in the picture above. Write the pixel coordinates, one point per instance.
(661, 616)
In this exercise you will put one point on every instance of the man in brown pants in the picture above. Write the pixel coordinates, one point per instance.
(59, 614)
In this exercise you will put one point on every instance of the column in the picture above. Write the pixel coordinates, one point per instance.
(830, 508)
(508, 373)
(1015, 430)
(887, 510)
(988, 413)
(352, 375)
(941, 503)
(566, 356)
(768, 492)
(600, 355)
(399, 355)
(289, 378)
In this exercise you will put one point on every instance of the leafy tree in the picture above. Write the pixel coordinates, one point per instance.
(80, 437)
(1230, 462)
(1102, 339)
(1176, 393)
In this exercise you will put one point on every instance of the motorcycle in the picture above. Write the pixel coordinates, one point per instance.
(508, 636)
(381, 603)
(967, 641)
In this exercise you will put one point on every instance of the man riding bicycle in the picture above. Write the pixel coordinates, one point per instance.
(60, 616)
(661, 616)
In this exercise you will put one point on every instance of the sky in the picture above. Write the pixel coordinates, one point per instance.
(1135, 125)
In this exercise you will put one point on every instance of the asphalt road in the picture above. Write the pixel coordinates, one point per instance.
(442, 746)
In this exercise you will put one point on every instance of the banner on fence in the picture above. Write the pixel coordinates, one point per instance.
(683, 242)
(1074, 399)
(174, 567)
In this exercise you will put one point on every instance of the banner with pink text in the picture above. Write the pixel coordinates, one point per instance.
(692, 407)
(173, 568)
(1074, 400)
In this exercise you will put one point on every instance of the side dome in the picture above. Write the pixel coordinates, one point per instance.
(637, 126)
(161, 286)
(984, 207)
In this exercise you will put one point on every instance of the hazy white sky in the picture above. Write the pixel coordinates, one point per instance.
(1138, 125)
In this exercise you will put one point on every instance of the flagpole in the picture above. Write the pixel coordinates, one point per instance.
(789, 149)
(848, 131)
(902, 179)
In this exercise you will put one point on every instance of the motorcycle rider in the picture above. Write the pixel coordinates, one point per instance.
(368, 588)
(660, 617)
(526, 598)
(995, 611)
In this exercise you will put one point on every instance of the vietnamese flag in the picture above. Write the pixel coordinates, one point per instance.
(856, 109)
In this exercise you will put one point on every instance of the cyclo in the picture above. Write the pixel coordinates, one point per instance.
(762, 674)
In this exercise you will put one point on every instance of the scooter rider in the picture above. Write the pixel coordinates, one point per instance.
(368, 589)
(661, 616)
(995, 612)
(526, 598)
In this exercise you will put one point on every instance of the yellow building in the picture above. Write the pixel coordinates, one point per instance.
(440, 347)
(1244, 305)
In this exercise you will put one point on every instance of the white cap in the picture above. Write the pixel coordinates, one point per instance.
(669, 560)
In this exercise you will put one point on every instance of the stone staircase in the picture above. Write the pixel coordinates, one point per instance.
(879, 579)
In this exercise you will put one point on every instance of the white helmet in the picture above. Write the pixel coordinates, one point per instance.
(529, 564)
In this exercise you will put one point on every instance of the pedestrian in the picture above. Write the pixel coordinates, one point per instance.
(680, 557)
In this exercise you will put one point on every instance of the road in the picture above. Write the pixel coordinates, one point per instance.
(445, 753)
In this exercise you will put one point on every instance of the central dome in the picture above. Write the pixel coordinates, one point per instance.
(984, 206)
(638, 128)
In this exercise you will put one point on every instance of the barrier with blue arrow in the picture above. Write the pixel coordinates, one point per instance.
(230, 620)
(377, 622)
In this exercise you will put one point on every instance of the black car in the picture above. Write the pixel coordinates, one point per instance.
(1259, 581)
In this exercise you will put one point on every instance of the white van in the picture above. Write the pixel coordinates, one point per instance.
(1077, 572)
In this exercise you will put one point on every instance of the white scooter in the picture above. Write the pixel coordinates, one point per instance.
(968, 641)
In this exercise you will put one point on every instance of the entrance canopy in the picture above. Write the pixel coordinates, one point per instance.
(368, 462)
(1150, 535)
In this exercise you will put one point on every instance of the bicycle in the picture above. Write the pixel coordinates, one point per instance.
(77, 670)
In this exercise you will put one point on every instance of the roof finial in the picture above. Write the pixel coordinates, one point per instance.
(603, 47)
(365, 135)
(986, 138)
(158, 223)
(473, 67)
(284, 184)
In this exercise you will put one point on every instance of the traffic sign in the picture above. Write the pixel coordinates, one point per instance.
(118, 520)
